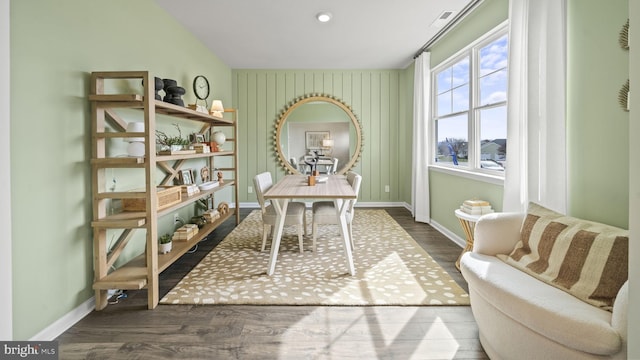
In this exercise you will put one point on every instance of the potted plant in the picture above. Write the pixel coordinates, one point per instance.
(174, 143)
(165, 244)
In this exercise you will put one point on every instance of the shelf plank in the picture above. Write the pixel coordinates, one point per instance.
(116, 135)
(121, 222)
(161, 107)
(129, 162)
(115, 97)
(137, 217)
(186, 200)
(164, 158)
(140, 161)
(184, 112)
(122, 195)
(126, 278)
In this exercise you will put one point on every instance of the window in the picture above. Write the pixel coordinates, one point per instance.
(470, 107)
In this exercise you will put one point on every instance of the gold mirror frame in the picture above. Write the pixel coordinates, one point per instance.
(282, 119)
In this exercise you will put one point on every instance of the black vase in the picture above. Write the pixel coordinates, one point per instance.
(174, 94)
(159, 85)
(169, 82)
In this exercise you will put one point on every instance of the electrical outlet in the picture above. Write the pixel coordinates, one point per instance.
(175, 218)
(250, 190)
(386, 188)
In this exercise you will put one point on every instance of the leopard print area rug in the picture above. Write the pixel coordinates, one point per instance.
(391, 269)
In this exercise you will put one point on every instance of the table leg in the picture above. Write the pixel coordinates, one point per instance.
(467, 226)
(341, 209)
(280, 206)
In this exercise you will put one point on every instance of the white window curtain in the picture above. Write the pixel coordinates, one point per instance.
(420, 175)
(536, 168)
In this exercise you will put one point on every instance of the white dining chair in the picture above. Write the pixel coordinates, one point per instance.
(334, 167)
(324, 212)
(295, 211)
(294, 163)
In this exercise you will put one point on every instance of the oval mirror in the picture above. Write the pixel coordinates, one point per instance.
(318, 125)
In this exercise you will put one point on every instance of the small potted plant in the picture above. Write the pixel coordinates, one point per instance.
(173, 143)
(165, 244)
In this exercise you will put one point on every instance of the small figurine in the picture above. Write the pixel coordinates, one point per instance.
(204, 173)
(220, 180)
(223, 208)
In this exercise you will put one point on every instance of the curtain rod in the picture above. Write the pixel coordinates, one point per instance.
(464, 12)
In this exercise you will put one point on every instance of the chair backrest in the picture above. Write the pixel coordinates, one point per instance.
(355, 180)
(262, 182)
(334, 168)
(294, 163)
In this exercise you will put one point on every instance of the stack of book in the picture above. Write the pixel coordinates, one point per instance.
(476, 207)
(211, 215)
(190, 190)
(186, 232)
(202, 148)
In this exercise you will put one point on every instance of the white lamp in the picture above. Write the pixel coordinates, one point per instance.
(136, 144)
(327, 144)
(216, 108)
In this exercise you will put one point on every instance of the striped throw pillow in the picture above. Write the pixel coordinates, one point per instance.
(586, 259)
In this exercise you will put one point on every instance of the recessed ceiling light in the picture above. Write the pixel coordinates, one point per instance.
(323, 17)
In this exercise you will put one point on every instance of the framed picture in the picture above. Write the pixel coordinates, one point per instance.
(196, 138)
(186, 177)
(313, 139)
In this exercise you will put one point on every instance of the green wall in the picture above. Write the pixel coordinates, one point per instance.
(377, 99)
(54, 47)
(597, 141)
(597, 127)
(449, 191)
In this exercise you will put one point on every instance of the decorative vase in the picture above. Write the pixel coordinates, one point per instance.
(159, 85)
(169, 82)
(165, 248)
(173, 92)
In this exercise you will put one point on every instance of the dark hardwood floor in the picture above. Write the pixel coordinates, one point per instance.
(127, 330)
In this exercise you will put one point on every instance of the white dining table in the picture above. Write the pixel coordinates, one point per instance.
(295, 187)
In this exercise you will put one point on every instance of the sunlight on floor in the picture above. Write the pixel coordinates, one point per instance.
(356, 331)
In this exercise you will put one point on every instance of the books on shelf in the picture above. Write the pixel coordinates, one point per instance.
(185, 232)
(211, 215)
(476, 207)
(190, 190)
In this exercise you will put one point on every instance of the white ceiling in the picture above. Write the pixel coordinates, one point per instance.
(284, 34)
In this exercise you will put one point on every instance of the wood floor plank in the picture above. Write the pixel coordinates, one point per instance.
(127, 330)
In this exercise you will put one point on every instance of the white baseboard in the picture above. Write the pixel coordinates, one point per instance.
(67, 321)
(255, 205)
(449, 234)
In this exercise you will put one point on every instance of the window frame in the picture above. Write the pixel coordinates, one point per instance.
(471, 52)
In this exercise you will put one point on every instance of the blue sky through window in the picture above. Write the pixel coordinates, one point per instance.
(453, 103)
